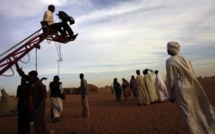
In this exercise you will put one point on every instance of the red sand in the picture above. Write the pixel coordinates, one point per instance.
(110, 117)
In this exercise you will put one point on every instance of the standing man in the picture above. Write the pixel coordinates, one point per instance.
(150, 85)
(84, 96)
(125, 88)
(161, 87)
(142, 93)
(56, 89)
(117, 88)
(133, 86)
(37, 94)
(23, 110)
(194, 106)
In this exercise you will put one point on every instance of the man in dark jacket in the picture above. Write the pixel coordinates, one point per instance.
(55, 88)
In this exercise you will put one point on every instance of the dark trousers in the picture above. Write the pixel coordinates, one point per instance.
(23, 118)
(62, 27)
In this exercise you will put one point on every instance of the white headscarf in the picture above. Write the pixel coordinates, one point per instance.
(173, 47)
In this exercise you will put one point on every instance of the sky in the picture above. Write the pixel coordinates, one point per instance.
(116, 37)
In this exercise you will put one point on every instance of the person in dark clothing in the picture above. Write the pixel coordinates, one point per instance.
(36, 96)
(55, 88)
(126, 88)
(133, 86)
(117, 88)
(23, 110)
(84, 92)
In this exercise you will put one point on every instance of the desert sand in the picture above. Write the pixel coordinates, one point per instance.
(111, 117)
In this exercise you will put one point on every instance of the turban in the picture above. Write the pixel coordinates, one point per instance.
(33, 73)
(173, 47)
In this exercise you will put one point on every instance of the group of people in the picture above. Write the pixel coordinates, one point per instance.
(184, 89)
(148, 89)
(126, 88)
(151, 88)
(32, 94)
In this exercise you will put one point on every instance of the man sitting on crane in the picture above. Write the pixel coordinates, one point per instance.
(48, 17)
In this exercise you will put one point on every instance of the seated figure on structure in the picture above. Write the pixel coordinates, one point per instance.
(61, 27)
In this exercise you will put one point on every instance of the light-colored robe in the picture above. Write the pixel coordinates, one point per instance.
(84, 98)
(195, 108)
(57, 103)
(142, 93)
(161, 87)
(150, 86)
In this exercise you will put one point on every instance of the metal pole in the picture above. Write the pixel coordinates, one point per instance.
(20, 42)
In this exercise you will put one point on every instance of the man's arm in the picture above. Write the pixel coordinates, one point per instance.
(44, 78)
(21, 72)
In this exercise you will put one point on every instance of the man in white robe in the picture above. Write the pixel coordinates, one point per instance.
(161, 87)
(195, 108)
(149, 79)
(142, 93)
(56, 89)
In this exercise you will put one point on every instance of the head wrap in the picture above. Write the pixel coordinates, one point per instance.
(56, 78)
(173, 47)
(33, 73)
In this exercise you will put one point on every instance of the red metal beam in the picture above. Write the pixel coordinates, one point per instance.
(12, 58)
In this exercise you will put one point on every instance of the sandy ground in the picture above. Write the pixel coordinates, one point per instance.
(111, 117)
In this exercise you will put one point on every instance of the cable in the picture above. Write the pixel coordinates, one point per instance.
(11, 70)
(58, 49)
(36, 59)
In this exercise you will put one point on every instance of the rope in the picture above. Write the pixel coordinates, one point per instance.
(36, 59)
(58, 49)
(10, 69)
(25, 62)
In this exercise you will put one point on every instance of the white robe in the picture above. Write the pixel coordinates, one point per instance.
(161, 87)
(142, 93)
(150, 86)
(195, 108)
(57, 106)
(57, 103)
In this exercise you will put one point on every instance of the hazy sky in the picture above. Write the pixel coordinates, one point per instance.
(116, 37)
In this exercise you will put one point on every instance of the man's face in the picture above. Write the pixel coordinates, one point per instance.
(169, 52)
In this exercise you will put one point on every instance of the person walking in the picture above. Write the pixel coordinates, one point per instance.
(125, 88)
(149, 79)
(133, 86)
(84, 96)
(56, 89)
(117, 89)
(142, 94)
(161, 87)
(195, 108)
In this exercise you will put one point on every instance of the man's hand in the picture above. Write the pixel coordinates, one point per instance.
(19, 70)
(44, 78)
